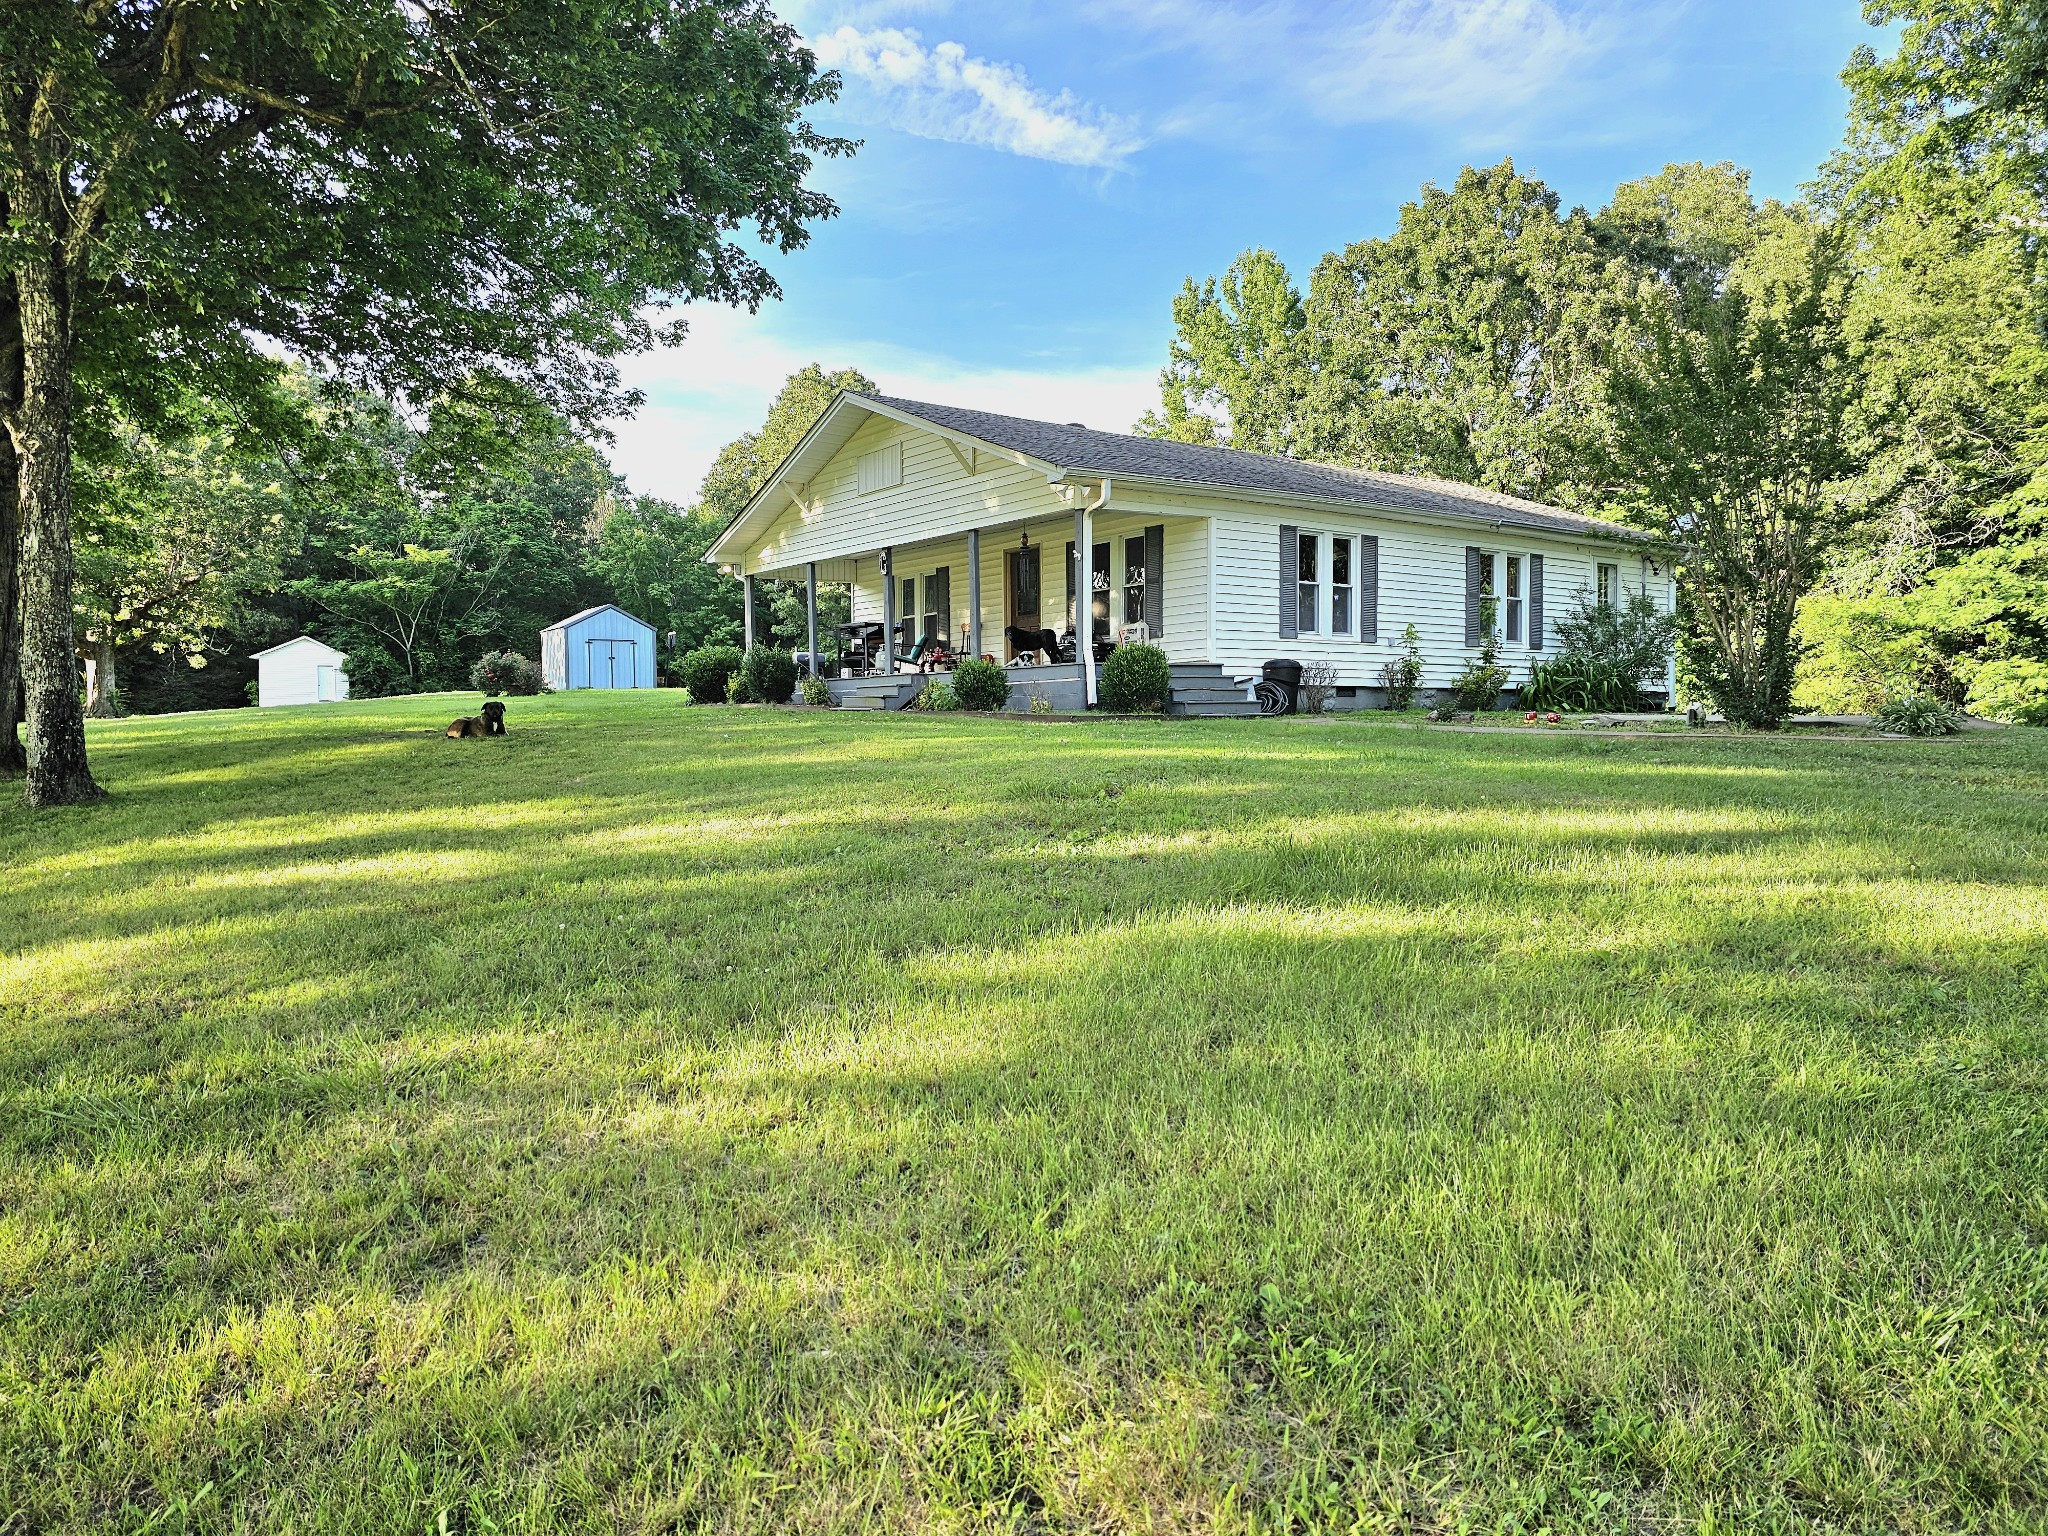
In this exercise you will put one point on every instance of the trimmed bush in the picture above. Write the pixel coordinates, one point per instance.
(816, 693)
(981, 685)
(936, 697)
(1135, 679)
(768, 674)
(499, 672)
(707, 670)
(1916, 714)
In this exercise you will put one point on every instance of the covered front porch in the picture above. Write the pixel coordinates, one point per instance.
(1006, 593)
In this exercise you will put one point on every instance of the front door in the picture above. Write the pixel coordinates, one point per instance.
(325, 689)
(1021, 592)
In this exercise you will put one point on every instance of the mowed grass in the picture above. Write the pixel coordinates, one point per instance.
(673, 1119)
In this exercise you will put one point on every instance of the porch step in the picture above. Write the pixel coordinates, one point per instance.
(1203, 688)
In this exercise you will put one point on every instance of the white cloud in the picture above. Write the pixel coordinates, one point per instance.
(943, 92)
(722, 379)
(1435, 61)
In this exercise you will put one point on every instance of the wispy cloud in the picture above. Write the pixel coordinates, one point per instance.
(1442, 62)
(944, 92)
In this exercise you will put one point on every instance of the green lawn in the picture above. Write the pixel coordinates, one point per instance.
(740, 1120)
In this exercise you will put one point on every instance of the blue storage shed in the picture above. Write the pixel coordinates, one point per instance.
(601, 647)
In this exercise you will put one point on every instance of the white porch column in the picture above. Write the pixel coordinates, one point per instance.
(1084, 602)
(811, 615)
(747, 614)
(973, 592)
(889, 611)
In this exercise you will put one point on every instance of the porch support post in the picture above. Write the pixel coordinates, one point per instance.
(811, 615)
(747, 608)
(974, 591)
(889, 611)
(1084, 602)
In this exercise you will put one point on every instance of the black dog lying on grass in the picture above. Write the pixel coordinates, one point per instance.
(490, 723)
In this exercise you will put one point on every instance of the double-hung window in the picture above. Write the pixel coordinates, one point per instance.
(1135, 577)
(1610, 584)
(1341, 589)
(1309, 585)
(1513, 604)
(934, 621)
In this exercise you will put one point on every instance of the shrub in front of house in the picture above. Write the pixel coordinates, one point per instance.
(707, 670)
(505, 672)
(768, 674)
(816, 693)
(1136, 679)
(981, 685)
(1612, 654)
(1403, 675)
(936, 697)
(1580, 682)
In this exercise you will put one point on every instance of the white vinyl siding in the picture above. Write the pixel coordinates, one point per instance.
(1421, 582)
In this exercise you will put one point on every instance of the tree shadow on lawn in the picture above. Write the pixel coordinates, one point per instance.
(1111, 1147)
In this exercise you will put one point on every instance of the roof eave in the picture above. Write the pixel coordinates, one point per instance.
(717, 553)
(1504, 517)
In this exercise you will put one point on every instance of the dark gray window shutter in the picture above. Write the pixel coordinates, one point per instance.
(1290, 581)
(1155, 579)
(1535, 602)
(942, 600)
(1475, 628)
(1368, 589)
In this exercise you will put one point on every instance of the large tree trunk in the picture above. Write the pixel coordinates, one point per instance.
(12, 759)
(57, 769)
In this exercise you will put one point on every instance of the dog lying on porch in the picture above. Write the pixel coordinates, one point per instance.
(1028, 641)
(490, 723)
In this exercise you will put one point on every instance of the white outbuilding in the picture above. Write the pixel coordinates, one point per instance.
(301, 671)
(601, 647)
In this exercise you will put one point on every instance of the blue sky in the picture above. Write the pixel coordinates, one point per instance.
(1037, 178)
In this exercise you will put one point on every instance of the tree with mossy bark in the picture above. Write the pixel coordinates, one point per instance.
(429, 197)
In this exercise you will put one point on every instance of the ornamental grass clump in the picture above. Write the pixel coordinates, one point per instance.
(1916, 714)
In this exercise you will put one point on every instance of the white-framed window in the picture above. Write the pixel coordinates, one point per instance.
(1609, 580)
(1135, 576)
(934, 627)
(1512, 604)
(1342, 591)
(879, 470)
(1308, 590)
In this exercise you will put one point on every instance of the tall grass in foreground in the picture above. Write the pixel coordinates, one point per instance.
(671, 1119)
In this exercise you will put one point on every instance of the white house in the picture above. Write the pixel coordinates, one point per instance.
(301, 671)
(601, 647)
(961, 524)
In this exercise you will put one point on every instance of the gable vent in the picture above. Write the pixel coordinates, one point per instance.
(881, 469)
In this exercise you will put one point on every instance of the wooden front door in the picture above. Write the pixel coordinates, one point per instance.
(1021, 589)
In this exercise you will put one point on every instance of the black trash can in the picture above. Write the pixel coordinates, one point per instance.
(1279, 690)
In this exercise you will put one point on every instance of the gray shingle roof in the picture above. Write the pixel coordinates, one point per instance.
(1086, 450)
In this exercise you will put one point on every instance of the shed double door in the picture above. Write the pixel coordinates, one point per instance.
(613, 664)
